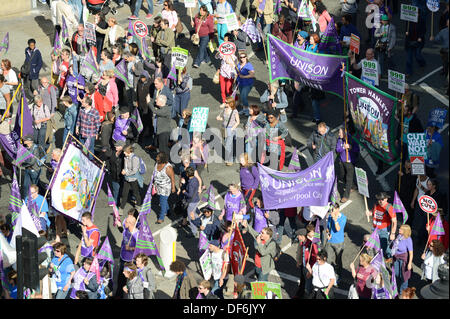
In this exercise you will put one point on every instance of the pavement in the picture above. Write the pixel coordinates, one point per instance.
(427, 82)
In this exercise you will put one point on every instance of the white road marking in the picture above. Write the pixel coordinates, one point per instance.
(426, 76)
(434, 93)
(369, 160)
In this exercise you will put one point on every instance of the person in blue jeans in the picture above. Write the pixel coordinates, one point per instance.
(203, 25)
(246, 79)
(335, 229)
(137, 7)
(164, 181)
(223, 8)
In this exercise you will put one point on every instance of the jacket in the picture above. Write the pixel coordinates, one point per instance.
(165, 40)
(188, 289)
(268, 251)
(324, 144)
(131, 167)
(206, 28)
(70, 118)
(212, 229)
(163, 118)
(142, 90)
(32, 162)
(149, 278)
(120, 33)
(392, 38)
(114, 164)
(35, 63)
(135, 288)
(267, 12)
(283, 33)
(349, 6)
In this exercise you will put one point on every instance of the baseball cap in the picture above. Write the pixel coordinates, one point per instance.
(303, 34)
(384, 17)
(124, 109)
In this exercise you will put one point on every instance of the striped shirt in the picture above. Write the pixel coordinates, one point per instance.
(88, 123)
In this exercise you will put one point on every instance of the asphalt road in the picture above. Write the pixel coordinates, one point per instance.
(205, 93)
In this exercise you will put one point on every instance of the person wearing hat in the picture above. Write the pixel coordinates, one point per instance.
(124, 129)
(208, 224)
(385, 37)
(384, 219)
(302, 40)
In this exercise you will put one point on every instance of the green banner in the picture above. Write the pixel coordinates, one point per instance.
(266, 290)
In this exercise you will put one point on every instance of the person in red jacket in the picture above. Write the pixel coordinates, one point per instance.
(203, 25)
(443, 238)
(283, 30)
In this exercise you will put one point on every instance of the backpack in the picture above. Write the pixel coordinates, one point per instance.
(142, 166)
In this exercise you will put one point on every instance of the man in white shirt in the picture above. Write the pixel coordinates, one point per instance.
(371, 70)
(323, 277)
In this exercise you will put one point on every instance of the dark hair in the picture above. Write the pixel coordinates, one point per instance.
(190, 172)
(107, 54)
(255, 108)
(320, 7)
(177, 266)
(169, 5)
(271, 112)
(134, 49)
(322, 254)
(348, 17)
(157, 19)
(230, 36)
(204, 8)
(438, 247)
(7, 64)
(81, 294)
(161, 158)
(5, 227)
(133, 212)
(434, 182)
(87, 215)
(88, 100)
(316, 37)
(88, 260)
(31, 41)
(90, 86)
(2, 78)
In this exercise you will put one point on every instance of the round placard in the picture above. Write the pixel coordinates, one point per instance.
(140, 29)
(227, 48)
(428, 204)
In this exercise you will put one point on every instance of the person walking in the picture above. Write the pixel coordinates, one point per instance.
(336, 233)
(164, 182)
(132, 178)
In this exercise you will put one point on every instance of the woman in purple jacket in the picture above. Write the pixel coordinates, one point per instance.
(249, 177)
(348, 151)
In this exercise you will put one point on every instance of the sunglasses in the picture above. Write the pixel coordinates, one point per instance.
(243, 56)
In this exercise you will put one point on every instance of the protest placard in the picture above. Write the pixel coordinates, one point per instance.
(409, 13)
(199, 119)
(179, 57)
(396, 81)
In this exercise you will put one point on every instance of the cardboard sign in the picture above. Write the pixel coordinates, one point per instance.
(232, 22)
(396, 81)
(409, 13)
(433, 5)
(417, 144)
(140, 29)
(199, 119)
(179, 57)
(428, 204)
(206, 264)
(370, 72)
(363, 182)
(417, 165)
(89, 33)
(354, 43)
(266, 290)
(227, 48)
(189, 4)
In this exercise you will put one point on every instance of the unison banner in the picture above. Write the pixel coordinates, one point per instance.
(310, 187)
(373, 112)
(319, 71)
(76, 183)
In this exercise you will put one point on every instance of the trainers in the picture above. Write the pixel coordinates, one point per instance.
(149, 16)
(195, 66)
(132, 17)
(344, 199)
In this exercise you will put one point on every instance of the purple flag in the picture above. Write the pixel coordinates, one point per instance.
(399, 208)
(334, 193)
(146, 207)
(393, 282)
(374, 241)
(24, 120)
(145, 243)
(34, 211)
(209, 197)
(278, 6)
(260, 220)
(22, 155)
(294, 164)
(378, 261)
(15, 201)
(316, 238)
(145, 50)
(56, 43)
(315, 70)
(173, 73)
(89, 63)
(202, 243)
(262, 5)
(249, 28)
(310, 187)
(10, 142)
(64, 30)
(373, 112)
(105, 252)
(5, 43)
(438, 227)
(135, 118)
(112, 202)
(329, 41)
(121, 72)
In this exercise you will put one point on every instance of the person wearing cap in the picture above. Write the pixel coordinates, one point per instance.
(114, 165)
(302, 40)
(386, 38)
(208, 224)
(434, 144)
(384, 219)
(124, 129)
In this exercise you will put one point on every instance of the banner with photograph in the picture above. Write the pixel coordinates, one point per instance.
(76, 183)
(372, 111)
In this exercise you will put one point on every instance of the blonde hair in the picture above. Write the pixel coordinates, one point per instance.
(109, 73)
(366, 258)
(406, 230)
(231, 102)
(186, 113)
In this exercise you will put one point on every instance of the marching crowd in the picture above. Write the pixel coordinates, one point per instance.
(101, 109)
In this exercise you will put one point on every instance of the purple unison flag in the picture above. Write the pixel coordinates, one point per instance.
(334, 193)
(10, 142)
(112, 202)
(316, 238)
(393, 282)
(24, 120)
(310, 187)
(173, 73)
(319, 71)
(5, 43)
(145, 243)
(135, 118)
(438, 227)
(34, 211)
(399, 208)
(260, 220)
(329, 41)
(146, 207)
(249, 28)
(202, 243)
(56, 43)
(89, 63)
(64, 30)
(374, 241)
(294, 164)
(120, 70)
(145, 50)
(105, 252)
(373, 112)
(378, 261)
(22, 154)
(15, 201)
(209, 197)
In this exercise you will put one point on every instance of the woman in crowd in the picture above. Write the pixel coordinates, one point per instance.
(276, 132)
(254, 128)
(164, 182)
(106, 62)
(134, 287)
(249, 177)
(183, 88)
(245, 80)
(227, 74)
(168, 12)
(230, 121)
(203, 25)
(223, 8)
(431, 261)
(402, 251)
(62, 269)
(146, 275)
(132, 178)
(5, 95)
(9, 74)
(348, 151)
(234, 202)
(363, 274)
(112, 33)
(314, 41)
(323, 17)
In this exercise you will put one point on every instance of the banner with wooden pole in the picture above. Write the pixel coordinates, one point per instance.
(10, 102)
(401, 145)
(345, 114)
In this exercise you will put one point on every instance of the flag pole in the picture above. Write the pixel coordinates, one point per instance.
(10, 103)
(86, 148)
(96, 188)
(243, 263)
(358, 253)
(345, 114)
(401, 149)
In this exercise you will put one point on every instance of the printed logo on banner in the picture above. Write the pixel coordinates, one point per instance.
(433, 5)
(140, 29)
(437, 117)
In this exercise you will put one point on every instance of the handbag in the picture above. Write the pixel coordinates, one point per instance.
(25, 69)
(352, 294)
(216, 77)
(195, 38)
